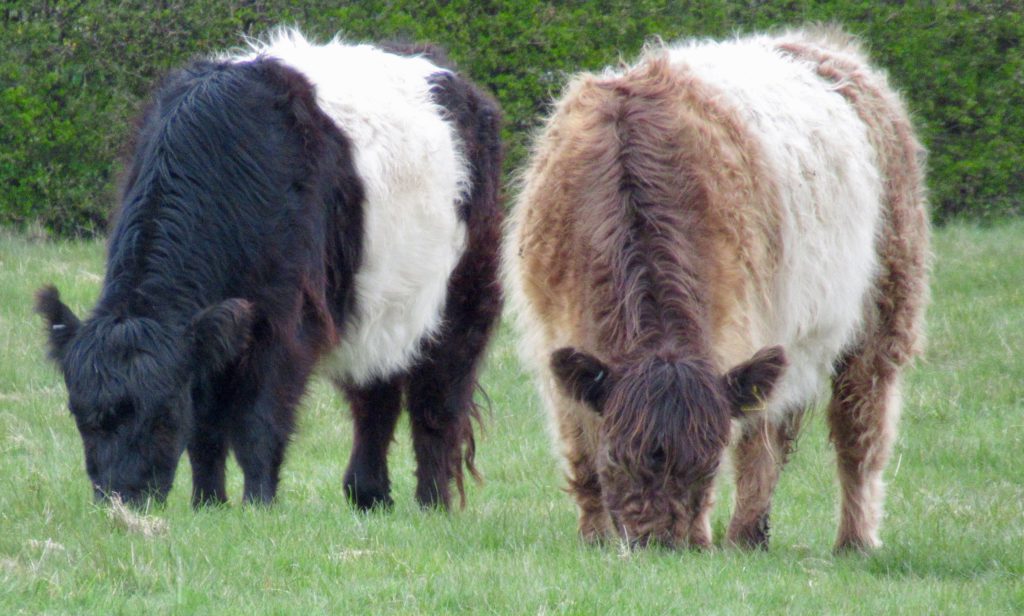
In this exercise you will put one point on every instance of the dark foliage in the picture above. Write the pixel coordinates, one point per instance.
(73, 72)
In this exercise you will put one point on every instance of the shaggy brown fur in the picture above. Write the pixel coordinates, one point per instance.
(642, 239)
(645, 247)
(664, 159)
(761, 451)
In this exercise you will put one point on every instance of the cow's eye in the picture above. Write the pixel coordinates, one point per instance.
(658, 458)
(116, 416)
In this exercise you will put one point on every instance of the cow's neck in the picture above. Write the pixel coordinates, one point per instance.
(155, 276)
(152, 297)
(667, 320)
(672, 327)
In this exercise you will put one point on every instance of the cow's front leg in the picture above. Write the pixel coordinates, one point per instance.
(208, 445)
(578, 434)
(264, 415)
(207, 452)
(594, 522)
(760, 453)
(699, 534)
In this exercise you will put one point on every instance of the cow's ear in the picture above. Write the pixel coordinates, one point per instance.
(749, 384)
(61, 323)
(221, 334)
(583, 377)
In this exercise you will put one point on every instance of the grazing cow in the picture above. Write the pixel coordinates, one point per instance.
(284, 205)
(708, 236)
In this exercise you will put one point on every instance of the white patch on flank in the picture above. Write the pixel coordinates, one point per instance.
(818, 155)
(414, 173)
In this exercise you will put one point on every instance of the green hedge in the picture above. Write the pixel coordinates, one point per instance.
(74, 74)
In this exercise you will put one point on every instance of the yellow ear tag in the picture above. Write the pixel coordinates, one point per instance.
(758, 406)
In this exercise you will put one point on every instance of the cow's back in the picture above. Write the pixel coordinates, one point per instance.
(828, 191)
(208, 208)
(792, 201)
(412, 166)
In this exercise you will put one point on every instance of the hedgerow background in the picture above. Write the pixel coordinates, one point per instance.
(74, 75)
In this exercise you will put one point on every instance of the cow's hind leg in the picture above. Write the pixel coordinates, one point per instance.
(762, 450)
(440, 387)
(441, 410)
(375, 411)
(862, 415)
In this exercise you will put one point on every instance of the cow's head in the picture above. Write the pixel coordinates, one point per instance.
(130, 382)
(665, 423)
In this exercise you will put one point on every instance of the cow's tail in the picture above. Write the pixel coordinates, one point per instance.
(475, 296)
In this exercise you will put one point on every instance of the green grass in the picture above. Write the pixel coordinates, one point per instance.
(954, 534)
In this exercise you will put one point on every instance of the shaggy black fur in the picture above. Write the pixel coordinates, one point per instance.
(230, 261)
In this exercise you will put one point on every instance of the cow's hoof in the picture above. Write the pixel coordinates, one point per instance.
(856, 545)
(430, 497)
(366, 497)
(750, 536)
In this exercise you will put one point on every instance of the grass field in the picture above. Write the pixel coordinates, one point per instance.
(954, 533)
